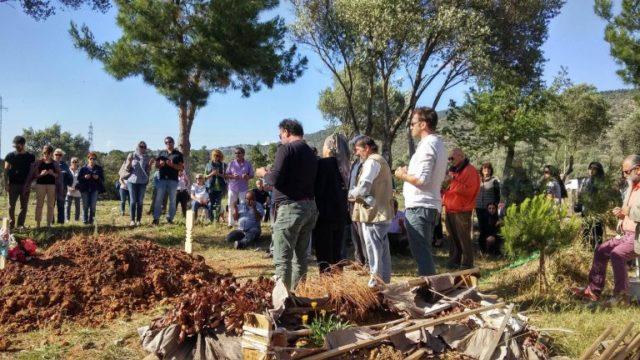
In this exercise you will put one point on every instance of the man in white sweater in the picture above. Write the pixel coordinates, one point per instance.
(422, 184)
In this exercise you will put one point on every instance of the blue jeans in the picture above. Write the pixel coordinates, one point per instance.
(124, 197)
(89, 200)
(196, 205)
(76, 202)
(136, 199)
(165, 187)
(376, 244)
(420, 225)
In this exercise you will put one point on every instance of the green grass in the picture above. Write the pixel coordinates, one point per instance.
(119, 340)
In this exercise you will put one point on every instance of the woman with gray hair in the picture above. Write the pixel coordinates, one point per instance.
(331, 200)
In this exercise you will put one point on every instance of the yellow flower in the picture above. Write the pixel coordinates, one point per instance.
(314, 304)
(305, 318)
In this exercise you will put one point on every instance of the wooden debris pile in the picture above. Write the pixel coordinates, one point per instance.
(440, 316)
(624, 346)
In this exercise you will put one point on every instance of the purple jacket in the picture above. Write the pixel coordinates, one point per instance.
(235, 168)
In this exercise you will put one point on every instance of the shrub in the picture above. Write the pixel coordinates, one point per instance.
(538, 224)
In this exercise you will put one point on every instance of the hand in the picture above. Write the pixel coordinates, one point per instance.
(245, 176)
(95, 177)
(44, 172)
(618, 213)
(214, 172)
(500, 206)
(87, 176)
(401, 172)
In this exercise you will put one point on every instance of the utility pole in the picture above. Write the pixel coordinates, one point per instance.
(2, 109)
(90, 137)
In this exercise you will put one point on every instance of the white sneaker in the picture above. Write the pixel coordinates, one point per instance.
(138, 223)
(133, 223)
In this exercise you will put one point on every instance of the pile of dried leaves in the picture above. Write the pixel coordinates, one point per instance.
(90, 280)
(219, 306)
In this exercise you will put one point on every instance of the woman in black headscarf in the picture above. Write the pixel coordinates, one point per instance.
(331, 200)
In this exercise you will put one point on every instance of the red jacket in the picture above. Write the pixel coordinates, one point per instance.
(461, 194)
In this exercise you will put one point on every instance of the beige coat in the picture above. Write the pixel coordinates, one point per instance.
(382, 192)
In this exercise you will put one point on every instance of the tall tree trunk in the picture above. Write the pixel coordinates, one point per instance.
(187, 114)
(508, 161)
(542, 273)
(386, 150)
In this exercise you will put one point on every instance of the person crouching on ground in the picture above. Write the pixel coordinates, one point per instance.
(247, 215)
(398, 240)
(373, 208)
(200, 196)
(619, 249)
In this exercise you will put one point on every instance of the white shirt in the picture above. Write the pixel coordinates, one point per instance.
(368, 173)
(71, 190)
(429, 165)
(200, 192)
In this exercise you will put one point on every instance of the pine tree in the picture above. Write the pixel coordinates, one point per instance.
(189, 49)
(257, 158)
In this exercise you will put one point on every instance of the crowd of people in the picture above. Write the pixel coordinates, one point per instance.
(319, 201)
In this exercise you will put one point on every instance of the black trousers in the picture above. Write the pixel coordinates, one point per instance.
(182, 198)
(327, 243)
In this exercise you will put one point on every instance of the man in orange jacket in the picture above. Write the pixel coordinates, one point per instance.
(459, 198)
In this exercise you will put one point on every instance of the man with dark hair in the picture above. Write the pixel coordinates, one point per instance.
(169, 162)
(360, 254)
(16, 166)
(422, 184)
(373, 209)
(293, 179)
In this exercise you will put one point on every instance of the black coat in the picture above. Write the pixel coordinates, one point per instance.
(331, 193)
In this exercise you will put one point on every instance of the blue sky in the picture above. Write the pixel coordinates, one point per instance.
(43, 80)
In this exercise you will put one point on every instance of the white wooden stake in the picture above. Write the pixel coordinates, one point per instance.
(5, 227)
(187, 243)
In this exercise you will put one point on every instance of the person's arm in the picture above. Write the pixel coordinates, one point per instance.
(7, 167)
(370, 170)
(425, 166)
(277, 174)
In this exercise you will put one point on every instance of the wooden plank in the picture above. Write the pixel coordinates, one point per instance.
(422, 280)
(608, 353)
(419, 325)
(592, 349)
(630, 348)
(417, 354)
(486, 355)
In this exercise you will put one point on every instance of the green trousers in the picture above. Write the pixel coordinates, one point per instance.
(291, 236)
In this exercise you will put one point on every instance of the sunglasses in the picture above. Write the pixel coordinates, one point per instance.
(92, 158)
(239, 153)
(57, 154)
(142, 147)
(74, 162)
(627, 172)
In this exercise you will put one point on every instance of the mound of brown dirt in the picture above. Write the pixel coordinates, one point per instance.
(89, 280)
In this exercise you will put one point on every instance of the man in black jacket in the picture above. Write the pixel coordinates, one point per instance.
(293, 179)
